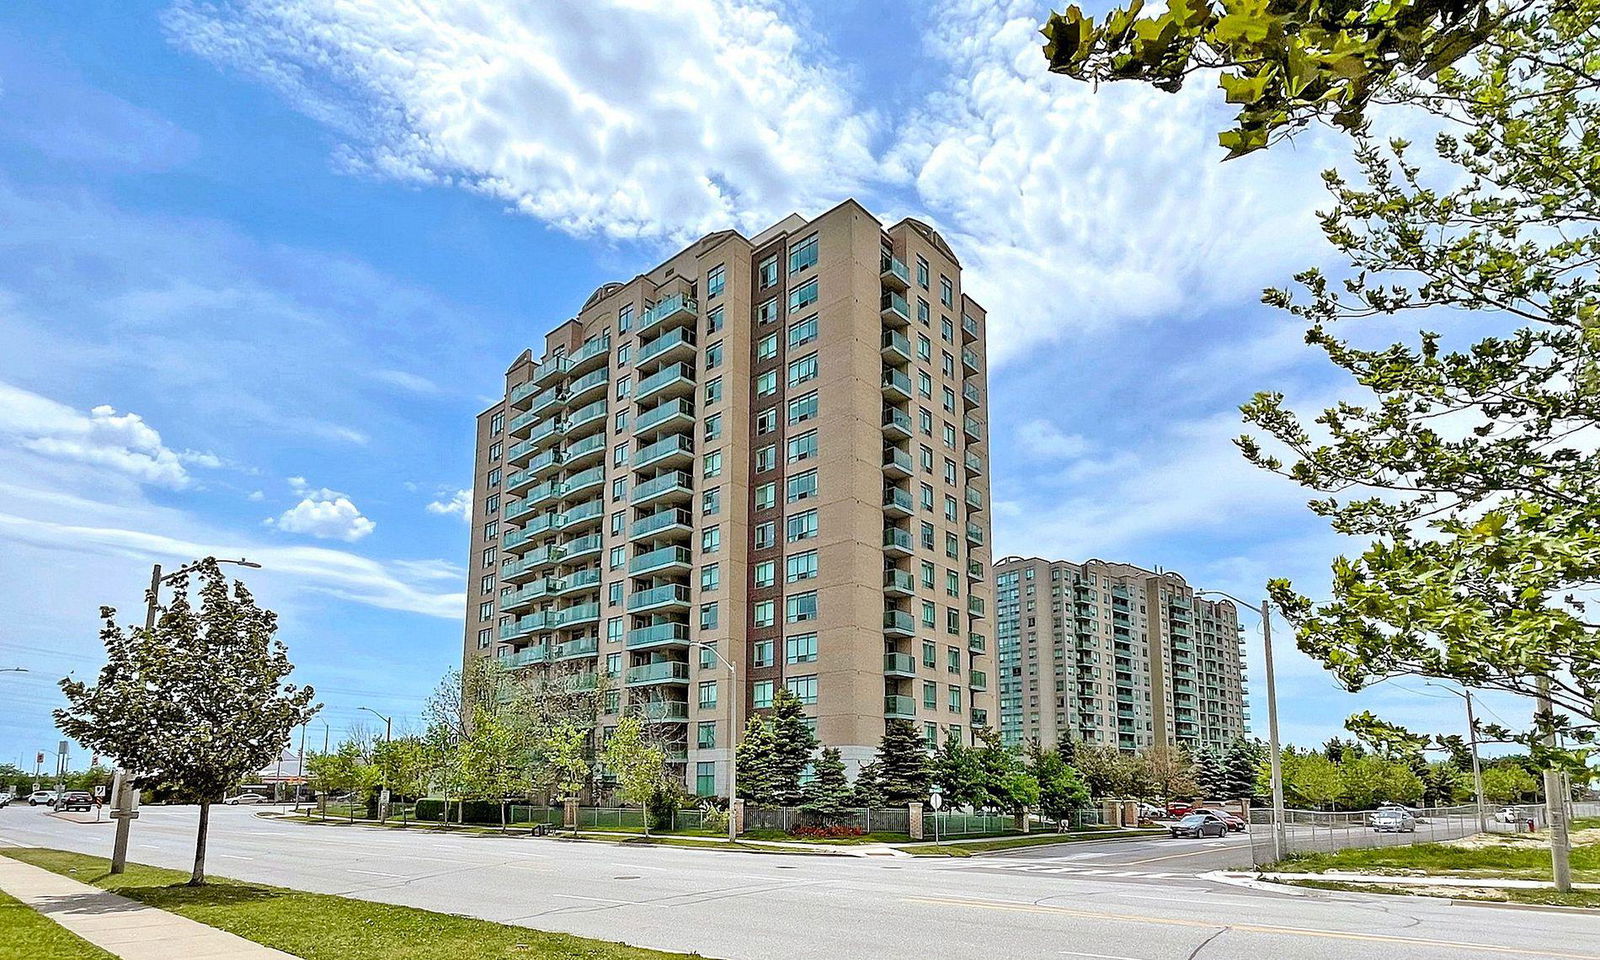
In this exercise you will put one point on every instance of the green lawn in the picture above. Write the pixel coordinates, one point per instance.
(318, 926)
(30, 935)
(1577, 898)
(1507, 859)
(1039, 840)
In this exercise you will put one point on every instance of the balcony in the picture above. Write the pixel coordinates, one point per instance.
(518, 425)
(675, 310)
(895, 347)
(892, 307)
(897, 422)
(518, 542)
(899, 583)
(583, 514)
(675, 450)
(676, 486)
(590, 355)
(586, 680)
(672, 380)
(674, 521)
(579, 580)
(969, 393)
(974, 498)
(582, 546)
(973, 429)
(660, 711)
(588, 386)
(969, 329)
(670, 596)
(896, 462)
(662, 560)
(898, 707)
(974, 463)
(568, 617)
(678, 344)
(897, 542)
(977, 679)
(976, 643)
(969, 360)
(892, 271)
(980, 718)
(899, 665)
(550, 370)
(896, 385)
(547, 402)
(521, 392)
(585, 416)
(658, 635)
(522, 626)
(517, 483)
(518, 454)
(662, 671)
(545, 464)
(584, 451)
(580, 482)
(677, 414)
(519, 508)
(526, 657)
(546, 433)
(975, 606)
(511, 601)
(899, 623)
(581, 647)
(974, 535)
(897, 502)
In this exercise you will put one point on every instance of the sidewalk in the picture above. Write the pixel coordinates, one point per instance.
(121, 926)
(1482, 883)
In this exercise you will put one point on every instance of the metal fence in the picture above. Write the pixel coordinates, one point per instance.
(865, 819)
(1316, 831)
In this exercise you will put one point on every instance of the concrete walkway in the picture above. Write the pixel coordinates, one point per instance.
(121, 926)
(1413, 880)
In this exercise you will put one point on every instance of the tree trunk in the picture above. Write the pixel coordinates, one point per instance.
(502, 815)
(198, 876)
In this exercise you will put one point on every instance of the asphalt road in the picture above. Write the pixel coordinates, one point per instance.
(1141, 901)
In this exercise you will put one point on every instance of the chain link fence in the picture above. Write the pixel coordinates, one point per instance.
(1316, 831)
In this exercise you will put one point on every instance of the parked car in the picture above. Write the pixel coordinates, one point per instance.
(1509, 815)
(75, 800)
(1199, 825)
(1235, 824)
(1149, 811)
(46, 797)
(247, 798)
(1179, 808)
(1394, 820)
(5, 800)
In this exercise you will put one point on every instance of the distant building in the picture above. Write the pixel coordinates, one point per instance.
(1102, 652)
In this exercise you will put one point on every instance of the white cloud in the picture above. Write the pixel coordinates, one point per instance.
(323, 513)
(412, 382)
(459, 504)
(1044, 440)
(614, 117)
(122, 442)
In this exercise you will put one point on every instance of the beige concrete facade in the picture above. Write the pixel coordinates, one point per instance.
(775, 444)
(1103, 652)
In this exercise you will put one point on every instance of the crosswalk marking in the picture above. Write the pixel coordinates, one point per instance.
(1067, 870)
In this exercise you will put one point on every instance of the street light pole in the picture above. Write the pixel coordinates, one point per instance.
(388, 731)
(1465, 693)
(119, 848)
(733, 738)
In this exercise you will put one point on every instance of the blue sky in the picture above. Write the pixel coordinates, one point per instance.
(262, 261)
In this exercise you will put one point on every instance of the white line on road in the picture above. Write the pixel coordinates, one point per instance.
(376, 873)
(1096, 956)
(574, 896)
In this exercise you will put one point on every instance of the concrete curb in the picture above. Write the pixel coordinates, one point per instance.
(1285, 887)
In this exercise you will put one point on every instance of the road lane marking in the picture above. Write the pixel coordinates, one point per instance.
(1174, 856)
(376, 873)
(1096, 956)
(1016, 906)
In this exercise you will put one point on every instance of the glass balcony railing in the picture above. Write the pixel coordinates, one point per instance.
(660, 709)
(897, 420)
(673, 374)
(974, 463)
(660, 559)
(580, 613)
(676, 409)
(893, 270)
(899, 581)
(676, 307)
(676, 445)
(527, 656)
(581, 647)
(892, 307)
(978, 679)
(661, 520)
(522, 626)
(573, 549)
(581, 386)
(663, 671)
(680, 337)
(969, 393)
(976, 642)
(969, 359)
(897, 539)
(895, 459)
(658, 634)
(900, 663)
(897, 500)
(895, 345)
(973, 429)
(672, 594)
(896, 383)
(974, 534)
(969, 327)
(581, 481)
(594, 348)
(676, 481)
(899, 621)
(900, 707)
(975, 606)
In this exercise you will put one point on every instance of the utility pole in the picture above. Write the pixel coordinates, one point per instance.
(1477, 769)
(1555, 804)
(388, 732)
(1280, 845)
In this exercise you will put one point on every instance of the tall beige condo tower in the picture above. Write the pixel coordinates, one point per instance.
(777, 444)
(1100, 652)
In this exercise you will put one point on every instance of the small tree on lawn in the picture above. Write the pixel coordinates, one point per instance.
(957, 771)
(493, 760)
(638, 763)
(1061, 791)
(868, 789)
(793, 744)
(404, 764)
(1509, 784)
(828, 793)
(197, 702)
(903, 766)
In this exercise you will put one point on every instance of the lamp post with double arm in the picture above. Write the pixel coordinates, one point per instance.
(388, 732)
(733, 737)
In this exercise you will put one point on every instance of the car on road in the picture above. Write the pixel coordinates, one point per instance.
(75, 800)
(247, 798)
(1393, 820)
(1149, 811)
(1179, 808)
(46, 797)
(1235, 824)
(5, 800)
(1199, 825)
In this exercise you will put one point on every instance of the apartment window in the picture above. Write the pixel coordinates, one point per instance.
(950, 435)
(767, 312)
(711, 539)
(803, 447)
(947, 363)
(490, 530)
(952, 660)
(952, 584)
(803, 408)
(619, 454)
(930, 613)
(711, 502)
(947, 329)
(923, 311)
(767, 347)
(766, 383)
(955, 699)
(494, 478)
(765, 613)
(618, 556)
(927, 574)
(947, 291)
(708, 694)
(716, 280)
(930, 695)
(951, 509)
(710, 577)
(949, 471)
(497, 423)
(620, 421)
(714, 390)
(802, 486)
(714, 320)
(613, 701)
(491, 504)
(952, 621)
(625, 319)
(803, 332)
(766, 457)
(930, 654)
(922, 271)
(622, 355)
(614, 635)
(708, 616)
(484, 638)
(486, 584)
(927, 535)
(624, 387)
(614, 593)
(706, 736)
(761, 655)
(925, 455)
(713, 464)
(800, 649)
(488, 556)
(767, 272)
(714, 355)
(767, 421)
(761, 695)
(494, 450)
(714, 427)
(948, 396)
(925, 421)
(805, 688)
(952, 548)
(766, 535)
(708, 656)
(617, 520)
(924, 347)
(705, 778)
(803, 254)
(800, 607)
(801, 566)
(486, 610)
(802, 370)
(803, 526)
(766, 573)
(926, 496)
(766, 496)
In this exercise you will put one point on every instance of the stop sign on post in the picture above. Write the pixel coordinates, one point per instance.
(936, 800)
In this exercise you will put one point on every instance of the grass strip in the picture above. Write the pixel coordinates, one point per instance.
(30, 935)
(1011, 843)
(1548, 897)
(1503, 861)
(319, 926)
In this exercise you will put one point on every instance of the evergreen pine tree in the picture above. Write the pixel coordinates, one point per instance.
(757, 776)
(868, 789)
(902, 764)
(956, 771)
(829, 791)
(1241, 767)
(793, 743)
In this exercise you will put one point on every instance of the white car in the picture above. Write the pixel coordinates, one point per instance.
(1509, 815)
(247, 798)
(1394, 820)
(46, 797)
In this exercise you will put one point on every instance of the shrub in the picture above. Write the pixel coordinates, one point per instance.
(833, 831)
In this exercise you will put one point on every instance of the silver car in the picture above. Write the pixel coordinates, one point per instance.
(1393, 820)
